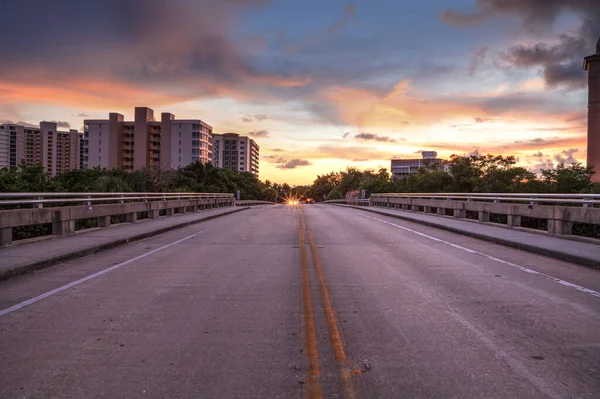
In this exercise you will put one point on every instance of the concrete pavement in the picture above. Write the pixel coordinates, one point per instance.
(38, 254)
(568, 248)
(217, 310)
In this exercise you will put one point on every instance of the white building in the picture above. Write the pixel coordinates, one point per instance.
(55, 150)
(233, 151)
(146, 142)
(404, 167)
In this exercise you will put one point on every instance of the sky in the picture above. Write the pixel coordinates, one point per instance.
(320, 85)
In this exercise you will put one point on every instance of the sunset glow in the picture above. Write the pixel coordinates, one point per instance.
(352, 84)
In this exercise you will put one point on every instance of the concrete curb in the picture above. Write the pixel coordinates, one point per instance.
(580, 260)
(20, 270)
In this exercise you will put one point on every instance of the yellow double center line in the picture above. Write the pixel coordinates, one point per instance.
(309, 334)
(346, 370)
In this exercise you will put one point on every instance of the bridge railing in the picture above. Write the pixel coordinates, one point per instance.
(38, 200)
(62, 213)
(253, 202)
(559, 212)
(349, 201)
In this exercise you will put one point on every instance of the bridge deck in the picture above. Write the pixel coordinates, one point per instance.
(220, 309)
(569, 248)
(47, 251)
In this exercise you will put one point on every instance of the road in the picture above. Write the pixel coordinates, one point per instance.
(317, 302)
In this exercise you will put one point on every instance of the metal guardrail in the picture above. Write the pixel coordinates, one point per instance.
(37, 200)
(584, 199)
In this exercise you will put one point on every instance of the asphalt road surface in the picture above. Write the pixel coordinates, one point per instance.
(312, 302)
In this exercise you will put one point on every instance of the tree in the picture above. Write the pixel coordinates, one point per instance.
(571, 179)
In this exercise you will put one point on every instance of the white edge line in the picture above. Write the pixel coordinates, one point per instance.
(522, 268)
(91, 276)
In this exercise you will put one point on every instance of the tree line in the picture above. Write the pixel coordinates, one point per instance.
(475, 173)
(195, 177)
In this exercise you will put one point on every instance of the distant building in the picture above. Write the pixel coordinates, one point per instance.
(404, 167)
(55, 150)
(233, 151)
(146, 142)
(592, 65)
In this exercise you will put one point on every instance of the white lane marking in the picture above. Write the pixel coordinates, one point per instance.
(91, 276)
(522, 268)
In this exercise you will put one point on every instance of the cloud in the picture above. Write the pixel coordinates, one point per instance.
(64, 125)
(477, 58)
(559, 62)
(374, 137)
(22, 123)
(534, 13)
(341, 24)
(566, 156)
(359, 160)
(548, 142)
(255, 117)
(82, 115)
(191, 53)
(538, 154)
(277, 150)
(399, 107)
(346, 135)
(259, 134)
(348, 153)
(482, 120)
(293, 164)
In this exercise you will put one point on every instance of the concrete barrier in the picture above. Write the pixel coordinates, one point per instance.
(63, 218)
(560, 218)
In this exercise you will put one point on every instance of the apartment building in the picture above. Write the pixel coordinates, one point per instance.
(145, 142)
(233, 151)
(404, 167)
(55, 150)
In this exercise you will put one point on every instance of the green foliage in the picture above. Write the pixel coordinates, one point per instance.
(196, 177)
(475, 173)
(568, 179)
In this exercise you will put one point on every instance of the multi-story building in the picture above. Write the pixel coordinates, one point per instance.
(146, 142)
(233, 151)
(404, 167)
(56, 151)
(592, 65)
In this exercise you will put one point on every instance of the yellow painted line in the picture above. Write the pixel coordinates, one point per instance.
(313, 385)
(346, 371)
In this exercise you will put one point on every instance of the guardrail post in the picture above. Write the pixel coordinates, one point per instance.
(560, 222)
(104, 221)
(40, 205)
(153, 214)
(563, 227)
(441, 211)
(483, 216)
(460, 213)
(514, 220)
(63, 228)
(170, 211)
(5, 236)
(131, 217)
(426, 209)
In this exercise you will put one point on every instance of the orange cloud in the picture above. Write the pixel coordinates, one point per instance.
(101, 94)
(365, 108)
